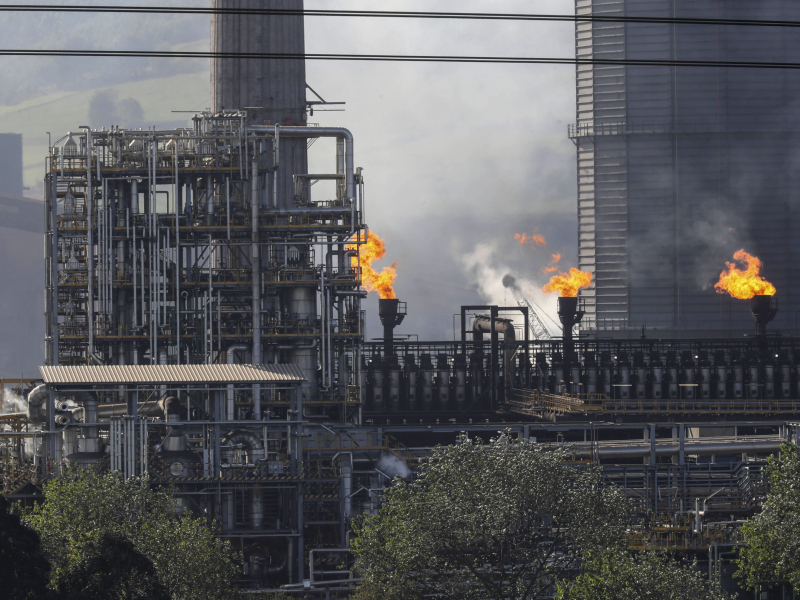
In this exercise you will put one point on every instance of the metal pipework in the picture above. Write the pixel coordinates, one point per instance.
(317, 132)
(483, 324)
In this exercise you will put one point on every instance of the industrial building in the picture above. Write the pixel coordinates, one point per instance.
(204, 327)
(679, 167)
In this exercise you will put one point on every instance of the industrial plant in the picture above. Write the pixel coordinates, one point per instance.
(204, 324)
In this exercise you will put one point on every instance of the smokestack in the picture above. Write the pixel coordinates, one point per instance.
(272, 90)
(392, 312)
(763, 312)
(569, 315)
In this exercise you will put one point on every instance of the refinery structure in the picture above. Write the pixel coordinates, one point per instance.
(204, 327)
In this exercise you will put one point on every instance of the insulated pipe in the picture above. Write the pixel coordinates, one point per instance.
(669, 449)
(346, 465)
(107, 410)
(317, 132)
(36, 400)
(483, 324)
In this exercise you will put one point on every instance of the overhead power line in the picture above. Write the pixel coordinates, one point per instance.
(593, 18)
(521, 60)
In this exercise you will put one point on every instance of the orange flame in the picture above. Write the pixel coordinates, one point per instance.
(553, 262)
(744, 284)
(534, 239)
(373, 281)
(568, 284)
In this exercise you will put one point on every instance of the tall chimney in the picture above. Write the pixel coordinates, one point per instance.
(568, 314)
(763, 312)
(391, 314)
(273, 90)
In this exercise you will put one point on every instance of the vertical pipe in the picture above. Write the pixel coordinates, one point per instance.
(135, 197)
(54, 267)
(256, 270)
(90, 242)
(177, 261)
(228, 204)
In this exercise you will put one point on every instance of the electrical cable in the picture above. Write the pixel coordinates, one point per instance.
(523, 60)
(192, 10)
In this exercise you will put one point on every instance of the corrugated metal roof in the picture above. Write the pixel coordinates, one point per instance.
(172, 374)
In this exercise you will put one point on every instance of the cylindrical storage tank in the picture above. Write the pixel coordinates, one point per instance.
(376, 382)
(426, 380)
(302, 305)
(786, 379)
(558, 371)
(575, 378)
(721, 374)
(460, 381)
(705, 378)
(476, 375)
(623, 377)
(607, 372)
(754, 380)
(769, 378)
(443, 380)
(688, 389)
(640, 375)
(362, 380)
(656, 376)
(738, 379)
(411, 372)
(591, 373)
(672, 374)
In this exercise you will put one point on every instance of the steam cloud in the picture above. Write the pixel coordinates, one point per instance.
(391, 465)
(493, 279)
(14, 403)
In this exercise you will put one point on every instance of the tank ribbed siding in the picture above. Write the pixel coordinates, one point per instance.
(679, 167)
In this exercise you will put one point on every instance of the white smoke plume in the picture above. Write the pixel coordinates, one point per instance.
(487, 271)
(14, 403)
(391, 465)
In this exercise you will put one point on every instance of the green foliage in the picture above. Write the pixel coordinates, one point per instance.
(23, 565)
(82, 506)
(771, 552)
(503, 521)
(112, 569)
(616, 574)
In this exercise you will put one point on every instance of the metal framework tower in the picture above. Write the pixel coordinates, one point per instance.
(176, 247)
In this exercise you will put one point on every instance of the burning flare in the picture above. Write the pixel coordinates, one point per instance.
(744, 284)
(553, 262)
(568, 284)
(372, 280)
(534, 239)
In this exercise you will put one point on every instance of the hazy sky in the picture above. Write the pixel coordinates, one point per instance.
(456, 158)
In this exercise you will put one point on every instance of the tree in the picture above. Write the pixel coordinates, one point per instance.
(112, 569)
(615, 574)
(503, 521)
(771, 550)
(24, 566)
(82, 506)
